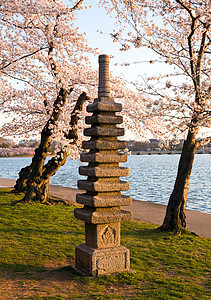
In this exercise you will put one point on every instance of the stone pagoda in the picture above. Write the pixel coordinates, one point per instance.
(102, 252)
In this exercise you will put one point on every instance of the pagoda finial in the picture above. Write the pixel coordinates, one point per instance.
(104, 80)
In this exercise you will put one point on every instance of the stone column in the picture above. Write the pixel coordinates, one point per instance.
(102, 214)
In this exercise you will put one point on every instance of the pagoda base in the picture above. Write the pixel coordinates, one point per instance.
(96, 262)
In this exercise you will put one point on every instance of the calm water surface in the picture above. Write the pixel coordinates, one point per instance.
(151, 177)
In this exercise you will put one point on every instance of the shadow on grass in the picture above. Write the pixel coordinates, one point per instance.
(39, 232)
(19, 268)
(6, 195)
(5, 204)
(147, 234)
(140, 230)
(32, 272)
(6, 191)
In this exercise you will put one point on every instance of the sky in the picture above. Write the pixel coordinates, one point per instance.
(95, 20)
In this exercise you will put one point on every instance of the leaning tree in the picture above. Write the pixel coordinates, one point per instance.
(178, 32)
(45, 73)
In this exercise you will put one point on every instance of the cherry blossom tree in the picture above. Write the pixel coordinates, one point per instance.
(44, 70)
(178, 31)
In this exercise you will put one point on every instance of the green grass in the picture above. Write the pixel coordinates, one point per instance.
(37, 251)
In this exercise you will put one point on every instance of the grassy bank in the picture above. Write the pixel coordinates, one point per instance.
(37, 249)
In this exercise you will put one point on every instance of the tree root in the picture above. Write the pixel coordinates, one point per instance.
(192, 232)
(175, 231)
(23, 201)
(54, 201)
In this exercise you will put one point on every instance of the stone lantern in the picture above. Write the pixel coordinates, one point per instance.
(102, 253)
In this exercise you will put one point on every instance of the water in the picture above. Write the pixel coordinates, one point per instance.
(151, 177)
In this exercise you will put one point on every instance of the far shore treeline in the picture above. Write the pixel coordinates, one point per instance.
(26, 148)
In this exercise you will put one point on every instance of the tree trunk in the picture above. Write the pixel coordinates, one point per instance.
(34, 179)
(52, 166)
(20, 185)
(42, 192)
(175, 218)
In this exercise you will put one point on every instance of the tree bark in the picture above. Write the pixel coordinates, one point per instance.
(34, 179)
(42, 192)
(175, 218)
(49, 169)
(30, 176)
(20, 185)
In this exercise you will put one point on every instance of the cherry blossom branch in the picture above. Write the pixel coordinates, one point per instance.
(200, 55)
(24, 56)
(186, 8)
(76, 5)
(191, 51)
(25, 81)
(24, 130)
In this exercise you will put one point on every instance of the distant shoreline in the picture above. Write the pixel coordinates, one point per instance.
(129, 153)
(21, 156)
(162, 152)
(15, 156)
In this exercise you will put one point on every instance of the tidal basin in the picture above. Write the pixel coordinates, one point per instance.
(151, 177)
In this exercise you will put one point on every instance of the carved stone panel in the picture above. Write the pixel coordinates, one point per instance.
(102, 261)
(102, 235)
